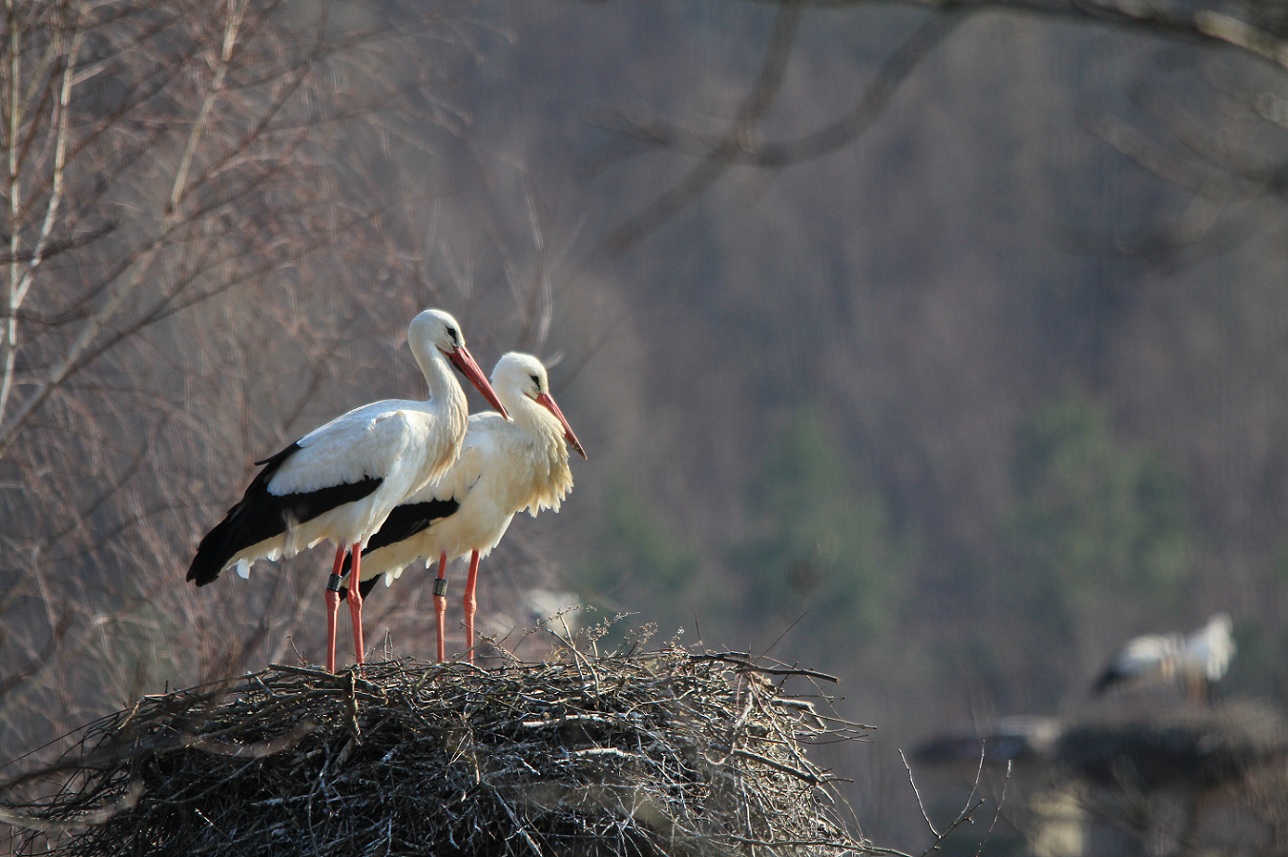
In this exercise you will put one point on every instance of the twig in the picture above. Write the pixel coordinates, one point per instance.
(1001, 801)
(917, 792)
(743, 660)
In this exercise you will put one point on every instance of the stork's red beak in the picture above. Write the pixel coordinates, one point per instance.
(548, 403)
(463, 360)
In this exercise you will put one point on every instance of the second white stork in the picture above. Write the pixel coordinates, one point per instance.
(339, 482)
(505, 467)
(1196, 661)
(1206, 654)
(1144, 659)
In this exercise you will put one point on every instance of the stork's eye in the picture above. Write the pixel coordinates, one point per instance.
(451, 334)
(536, 382)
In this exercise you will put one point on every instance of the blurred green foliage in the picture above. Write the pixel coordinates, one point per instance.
(638, 564)
(1097, 527)
(820, 546)
(1095, 540)
(1095, 519)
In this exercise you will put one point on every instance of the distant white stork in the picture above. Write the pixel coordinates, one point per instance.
(504, 467)
(1152, 657)
(1198, 661)
(1206, 654)
(541, 607)
(339, 482)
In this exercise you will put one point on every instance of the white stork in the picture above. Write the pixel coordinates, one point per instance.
(1206, 654)
(1197, 661)
(340, 481)
(1148, 658)
(504, 467)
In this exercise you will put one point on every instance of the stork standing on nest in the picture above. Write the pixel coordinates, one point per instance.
(1148, 658)
(505, 467)
(1197, 661)
(1205, 656)
(339, 482)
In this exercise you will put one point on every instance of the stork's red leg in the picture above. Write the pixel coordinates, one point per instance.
(333, 607)
(471, 603)
(355, 602)
(440, 603)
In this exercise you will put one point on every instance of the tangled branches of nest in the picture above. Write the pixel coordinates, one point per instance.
(668, 753)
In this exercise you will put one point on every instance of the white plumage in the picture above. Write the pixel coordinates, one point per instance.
(1198, 660)
(401, 447)
(339, 482)
(504, 467)
(1206, 654)
(1146, 658)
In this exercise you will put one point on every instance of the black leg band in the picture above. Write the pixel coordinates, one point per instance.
(333, 583)
(440, 586)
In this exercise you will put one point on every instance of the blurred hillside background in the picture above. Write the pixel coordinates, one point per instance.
(941, 352)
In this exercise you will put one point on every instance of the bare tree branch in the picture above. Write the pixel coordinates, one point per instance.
(1260, 29)
(740, 147)
(1257, 30)
(717, 159)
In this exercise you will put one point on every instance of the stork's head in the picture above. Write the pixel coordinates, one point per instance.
(1222, 624)
(436, 329)
(522, 375)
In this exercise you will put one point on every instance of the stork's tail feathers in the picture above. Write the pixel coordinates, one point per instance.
(1107, 679)
(364, 586)
(214, 552)
(403, 522)
(261, 515)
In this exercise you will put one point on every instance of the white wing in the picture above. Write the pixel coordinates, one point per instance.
(367, 442)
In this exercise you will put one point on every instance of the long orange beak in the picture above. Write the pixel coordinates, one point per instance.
(569, 435)
(463, 360)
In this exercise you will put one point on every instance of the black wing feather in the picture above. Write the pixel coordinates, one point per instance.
(1107, 679)
(260, 515)
(403, 522)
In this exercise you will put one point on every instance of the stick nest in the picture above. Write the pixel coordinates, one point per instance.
(668, 753)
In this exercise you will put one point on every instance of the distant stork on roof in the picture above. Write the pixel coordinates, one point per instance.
(1197, 661)
(1146, 659)
(1206, 654)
